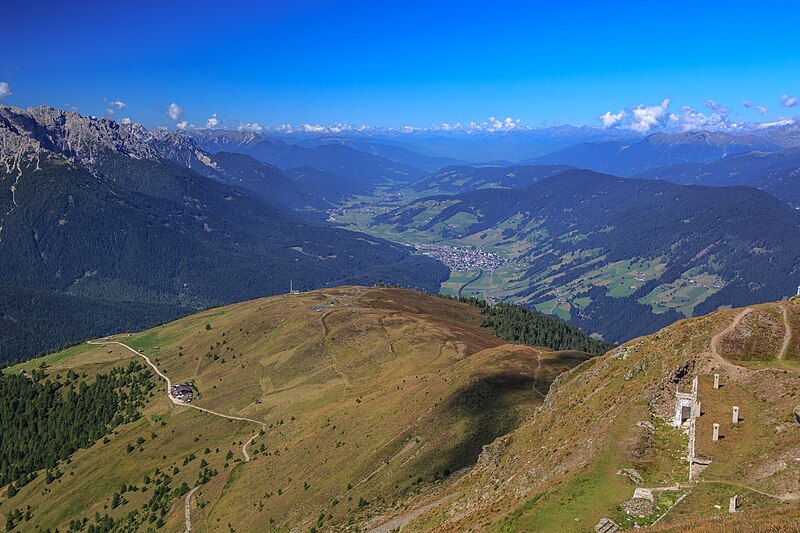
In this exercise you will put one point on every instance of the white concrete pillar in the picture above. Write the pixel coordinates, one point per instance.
(697, 410)
(715, 435)
(735, 417)
(716, 381)
(734, 503)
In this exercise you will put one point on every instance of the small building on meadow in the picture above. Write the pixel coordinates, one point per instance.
(183, 393)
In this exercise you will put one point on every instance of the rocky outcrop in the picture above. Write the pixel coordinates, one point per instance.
(87, 141)
(75, 137)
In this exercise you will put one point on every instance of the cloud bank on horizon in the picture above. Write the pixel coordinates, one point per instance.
(639, 119)
(645, 119)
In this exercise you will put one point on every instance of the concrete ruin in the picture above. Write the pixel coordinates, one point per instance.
(734, 503)
(686, 406)
(735, 415)
(716, 381)
(606, 525)
(687, 410)
(715, 433)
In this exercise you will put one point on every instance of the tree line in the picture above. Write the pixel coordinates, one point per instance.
(516, 323)
(44, 421)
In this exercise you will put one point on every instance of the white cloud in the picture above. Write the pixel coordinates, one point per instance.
(125, 120)
(312, 128)
(610, 119)
(750, 105)
(642, 118)
(492, 125)
(689, 119)
(110, 111)
(507, 124)
(174, 111)
(252, 128)
(692, 120)
(646, 118)
(212, 121)
(789, 101)
(182, 125)
(717, 108)
(5, 89)
(448, 127)
(119, 104)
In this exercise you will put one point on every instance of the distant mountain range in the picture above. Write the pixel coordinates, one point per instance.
(365, 169)
(619, 256)
(397, 152)
(137, 226)
(778, 173)
(110, 226)
(657, 150)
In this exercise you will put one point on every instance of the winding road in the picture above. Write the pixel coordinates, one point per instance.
(468, 282)
(187, 508)
(187, 504)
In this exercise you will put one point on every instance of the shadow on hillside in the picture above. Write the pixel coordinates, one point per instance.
(490, 407)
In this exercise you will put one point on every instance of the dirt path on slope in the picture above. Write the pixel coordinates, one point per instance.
(536, 375)
(740, 370)
(203, 409)
(400, 521)
(730, 329)
(787, 335)
(788, 497)
(717, 358)
(187, 508)
(325, 332)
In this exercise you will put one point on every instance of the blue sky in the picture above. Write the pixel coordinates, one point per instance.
(398, 63)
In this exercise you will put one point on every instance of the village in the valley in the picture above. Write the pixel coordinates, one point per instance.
(462, 259)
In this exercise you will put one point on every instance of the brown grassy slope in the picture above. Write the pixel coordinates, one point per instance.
(93, 475)
(376, 398)
(559, 470)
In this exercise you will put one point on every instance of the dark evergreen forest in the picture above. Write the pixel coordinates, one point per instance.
(43, 421)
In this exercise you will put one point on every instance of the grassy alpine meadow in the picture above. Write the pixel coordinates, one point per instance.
(368, 397)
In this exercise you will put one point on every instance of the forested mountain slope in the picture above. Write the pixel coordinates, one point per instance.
(618, 256)
(458, 179)
(778, 173)
(102, 218)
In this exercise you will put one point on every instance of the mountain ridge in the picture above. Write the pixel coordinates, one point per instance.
(656, 150)
(569, 234)
(483, 435)
(120, 216)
